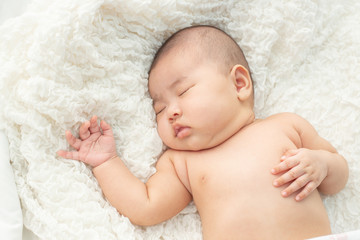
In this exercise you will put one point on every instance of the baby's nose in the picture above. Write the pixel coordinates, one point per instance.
(174, 113)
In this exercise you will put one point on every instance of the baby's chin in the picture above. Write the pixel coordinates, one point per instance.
(192, 145)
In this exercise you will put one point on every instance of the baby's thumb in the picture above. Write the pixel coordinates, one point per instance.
(61, 153)
(106, 128)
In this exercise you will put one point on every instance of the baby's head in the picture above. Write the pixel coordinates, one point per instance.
(206, 43)
(201, 88)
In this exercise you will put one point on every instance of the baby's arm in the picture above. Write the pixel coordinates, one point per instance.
(161, 198)
(316, 165)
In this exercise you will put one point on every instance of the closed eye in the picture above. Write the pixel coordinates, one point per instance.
(182, 93)
(187, 89)
(161, 110)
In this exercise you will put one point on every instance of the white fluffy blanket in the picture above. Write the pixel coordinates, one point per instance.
(65, 60)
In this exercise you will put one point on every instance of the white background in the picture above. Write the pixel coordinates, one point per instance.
(10, 9)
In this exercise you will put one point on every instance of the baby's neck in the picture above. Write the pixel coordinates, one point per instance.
(244, 120)
(247, 119)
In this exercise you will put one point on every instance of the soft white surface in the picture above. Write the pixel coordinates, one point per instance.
(64, 61)
(11, 217)
(353, 235)
(11, 224)
(12, 8)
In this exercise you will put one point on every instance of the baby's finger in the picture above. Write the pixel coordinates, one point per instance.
(289, 153)
(288, 176)
(295, 186)
(68, 155)
(107, 131)
(84, 130)
(73, 141)
(308, 189)
(94, 126)
(285, 165)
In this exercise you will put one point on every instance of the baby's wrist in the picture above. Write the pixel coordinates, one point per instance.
(105, 169)
(107, 160)
(112, 158)
(325, 157)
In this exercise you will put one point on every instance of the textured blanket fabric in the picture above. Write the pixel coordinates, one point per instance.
(63, 61)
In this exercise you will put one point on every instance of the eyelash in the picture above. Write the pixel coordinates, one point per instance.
(182, 93)
(159, 111)
(186, 90)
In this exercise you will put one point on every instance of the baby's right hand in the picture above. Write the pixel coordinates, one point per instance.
(94, 147)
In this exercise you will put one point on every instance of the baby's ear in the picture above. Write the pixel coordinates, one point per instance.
(242, 81)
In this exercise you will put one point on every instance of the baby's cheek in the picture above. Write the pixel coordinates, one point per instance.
(164, 132)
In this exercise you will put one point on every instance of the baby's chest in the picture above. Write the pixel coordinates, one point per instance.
(228, 172)
(240, 166)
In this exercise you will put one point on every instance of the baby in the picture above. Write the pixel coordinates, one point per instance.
(238, 170)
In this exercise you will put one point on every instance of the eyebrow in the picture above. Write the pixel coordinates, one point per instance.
(177, 82)
(172, 85)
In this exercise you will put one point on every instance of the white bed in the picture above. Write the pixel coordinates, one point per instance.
(62, 61)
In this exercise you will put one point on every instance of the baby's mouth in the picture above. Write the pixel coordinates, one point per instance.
(181, 131)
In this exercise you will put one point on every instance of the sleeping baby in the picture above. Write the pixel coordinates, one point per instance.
(249, 178)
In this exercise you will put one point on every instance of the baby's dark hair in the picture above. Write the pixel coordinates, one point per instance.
(206, 42)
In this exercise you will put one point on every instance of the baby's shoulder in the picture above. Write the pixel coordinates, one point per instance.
(286, 124)
(171, 156)
(175, 161)
(286, 118)
(291, 122)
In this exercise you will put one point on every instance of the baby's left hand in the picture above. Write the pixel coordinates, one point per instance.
(304, 169)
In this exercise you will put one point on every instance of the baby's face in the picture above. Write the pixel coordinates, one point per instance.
(196, 105)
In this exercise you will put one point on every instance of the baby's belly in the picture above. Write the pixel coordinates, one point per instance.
(264, 217)
(238, 201)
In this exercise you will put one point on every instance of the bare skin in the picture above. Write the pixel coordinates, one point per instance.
(232, 191)
(231, 184)
(249, 179)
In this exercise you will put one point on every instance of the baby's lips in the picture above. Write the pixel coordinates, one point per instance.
(181, 131)
(177, 128)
